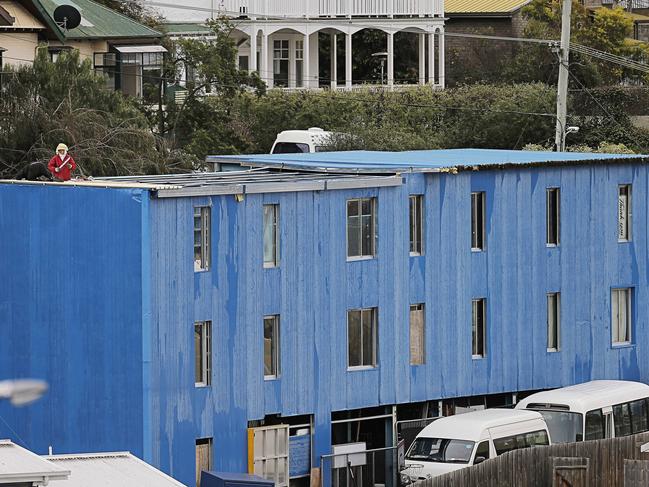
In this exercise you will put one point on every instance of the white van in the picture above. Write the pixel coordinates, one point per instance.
(301, 141)
(592, 410)
(459, 441)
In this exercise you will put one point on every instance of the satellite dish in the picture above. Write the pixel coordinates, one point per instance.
(67, 16)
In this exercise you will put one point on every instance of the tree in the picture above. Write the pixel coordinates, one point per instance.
(65, 101)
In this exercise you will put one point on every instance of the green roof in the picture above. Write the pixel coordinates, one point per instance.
(97, 21)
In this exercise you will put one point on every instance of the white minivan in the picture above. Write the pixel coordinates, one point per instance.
(459, 441)
(301, 141)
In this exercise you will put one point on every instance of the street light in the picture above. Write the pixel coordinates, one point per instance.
(569, 130)
(22, 391)
(383, 56)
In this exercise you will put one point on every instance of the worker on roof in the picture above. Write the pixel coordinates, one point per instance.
(62, 164)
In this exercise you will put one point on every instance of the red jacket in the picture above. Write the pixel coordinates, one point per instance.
(64, 171)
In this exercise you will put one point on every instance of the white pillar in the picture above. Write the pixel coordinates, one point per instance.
(306, 64)
(391, 60)
(292, 71)
(431, 58)
(266, 74)
(422, 59)
(252, 62)
(348, 60)
(442, 81)
(334, 61)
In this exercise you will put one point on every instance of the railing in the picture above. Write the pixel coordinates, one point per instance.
(368, 468)
(331, 8)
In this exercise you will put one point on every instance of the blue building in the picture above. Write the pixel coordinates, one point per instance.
(315, 300)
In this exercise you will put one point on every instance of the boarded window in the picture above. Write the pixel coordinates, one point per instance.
(203, 457)
(417, 335)
(621, 316)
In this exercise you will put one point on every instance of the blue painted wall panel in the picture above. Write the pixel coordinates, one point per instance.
(70, 313)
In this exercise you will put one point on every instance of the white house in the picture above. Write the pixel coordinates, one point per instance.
(283, 34)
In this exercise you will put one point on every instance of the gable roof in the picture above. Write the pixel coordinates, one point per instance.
(20, 465)
(488, 7)
(21, 19)
(97, 21)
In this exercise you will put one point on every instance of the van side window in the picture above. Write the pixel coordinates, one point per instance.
(482, 450)
(622, 420)
(522, 440)
(594, 425)
(638, 415)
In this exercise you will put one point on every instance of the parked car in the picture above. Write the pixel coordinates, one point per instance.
(459, 441)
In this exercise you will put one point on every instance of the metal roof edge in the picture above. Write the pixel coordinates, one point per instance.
(49, 21)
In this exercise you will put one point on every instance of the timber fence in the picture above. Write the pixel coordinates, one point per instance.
(616, 462)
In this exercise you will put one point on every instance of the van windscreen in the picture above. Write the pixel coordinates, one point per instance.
(440, 450)
(290, 148)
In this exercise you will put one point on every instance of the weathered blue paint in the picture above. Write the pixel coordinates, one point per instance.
(139, 286)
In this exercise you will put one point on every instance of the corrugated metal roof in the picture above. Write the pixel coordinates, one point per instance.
(109, 470)
(483, 6)
(22, 18)
(426, 161)
(20, 465)
(97, 21)
(185, 28)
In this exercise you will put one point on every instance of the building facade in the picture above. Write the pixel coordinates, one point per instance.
(281, 40)
(193, 316)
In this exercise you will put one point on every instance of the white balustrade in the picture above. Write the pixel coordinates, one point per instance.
(330, 8)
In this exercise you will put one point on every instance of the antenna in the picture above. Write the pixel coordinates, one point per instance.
(67, 17)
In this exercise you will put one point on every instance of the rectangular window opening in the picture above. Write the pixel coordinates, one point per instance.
(362, 343)
(203, 457)
(202, 233)
(478, 221)
(416, 224)
(203, 353)
(271, 347)
(553, 321)
(624, 213)
(417, 335)
(361, 228)
(553, 216)
(478, 327)
(621, 316)
(271, 236)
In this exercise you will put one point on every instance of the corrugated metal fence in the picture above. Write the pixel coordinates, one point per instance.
(610, 463)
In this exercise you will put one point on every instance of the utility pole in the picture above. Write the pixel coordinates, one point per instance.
(562, 86)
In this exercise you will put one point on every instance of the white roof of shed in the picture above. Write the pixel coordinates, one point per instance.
(20, 465)
(109, 470)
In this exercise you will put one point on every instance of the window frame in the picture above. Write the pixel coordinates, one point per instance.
(374, 351)
(416, 224)
(205, 350)
(275, 355)
(556, 296)
(625, 227)
(373, 228)
(615, 325)
(478, 304)
(275, 215)
(204, 214)
(478, 221)
(553, 216)
(418, 307)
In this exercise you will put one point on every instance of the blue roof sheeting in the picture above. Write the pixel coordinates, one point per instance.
(425, 160)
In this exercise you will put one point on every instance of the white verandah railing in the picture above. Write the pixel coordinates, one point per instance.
(331, 8)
